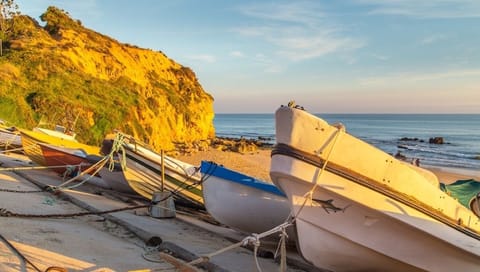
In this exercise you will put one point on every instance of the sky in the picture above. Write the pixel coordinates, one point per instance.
(350, 56)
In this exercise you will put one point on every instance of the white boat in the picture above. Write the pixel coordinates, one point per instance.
(141, 172)
(59, 131)
(358, 208)
(242, 202)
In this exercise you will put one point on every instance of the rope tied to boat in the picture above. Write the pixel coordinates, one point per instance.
(70, 171)
(117, 149)
(253, 239)
(282, 247)
(96, 167)
(10, 150)
(319, 171)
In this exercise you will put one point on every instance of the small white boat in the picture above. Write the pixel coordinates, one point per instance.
(242, 202)
(358, 208)
(59, 131)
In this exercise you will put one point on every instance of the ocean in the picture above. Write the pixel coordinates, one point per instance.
(391, 133)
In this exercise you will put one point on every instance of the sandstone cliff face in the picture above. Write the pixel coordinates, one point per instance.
(102, 84)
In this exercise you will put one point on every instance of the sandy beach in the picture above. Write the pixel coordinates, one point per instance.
(257, 164)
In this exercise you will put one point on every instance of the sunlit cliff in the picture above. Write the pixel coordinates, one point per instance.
(63, 73)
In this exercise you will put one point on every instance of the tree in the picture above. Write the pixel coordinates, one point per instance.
(8, 10)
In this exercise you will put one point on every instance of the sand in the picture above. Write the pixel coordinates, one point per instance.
(255, 164)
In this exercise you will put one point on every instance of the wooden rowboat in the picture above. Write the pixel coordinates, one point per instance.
(30, 140)
(65, 160)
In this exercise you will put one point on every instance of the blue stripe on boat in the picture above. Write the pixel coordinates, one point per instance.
(212, 169)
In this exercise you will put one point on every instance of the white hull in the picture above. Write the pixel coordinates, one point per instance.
(351, 226)
(115, 180)
(243, 207)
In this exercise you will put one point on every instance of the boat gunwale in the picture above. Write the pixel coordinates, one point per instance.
(234, 176)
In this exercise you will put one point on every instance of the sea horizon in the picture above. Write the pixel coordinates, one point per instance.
(406, 133)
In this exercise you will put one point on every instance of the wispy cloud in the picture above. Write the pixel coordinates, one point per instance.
(380, 57)
(417, 78)
(269, 66)
(432, 39)
(203, 58)
(297, 30)
(237, 54)
(426, 8)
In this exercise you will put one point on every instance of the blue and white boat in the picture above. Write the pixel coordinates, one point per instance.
(242, 202)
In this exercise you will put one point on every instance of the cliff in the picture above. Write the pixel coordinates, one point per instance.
(66, 74)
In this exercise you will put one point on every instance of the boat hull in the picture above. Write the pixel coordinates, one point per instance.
(115, 180)
(73, 159)
(34, 152)
(142, 173)
(242, 202)
(360, 217)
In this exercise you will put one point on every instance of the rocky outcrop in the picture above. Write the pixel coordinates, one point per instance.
(74, 76)
(238, 145)
(436, 140)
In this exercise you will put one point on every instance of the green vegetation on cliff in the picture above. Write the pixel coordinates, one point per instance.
(69, 75)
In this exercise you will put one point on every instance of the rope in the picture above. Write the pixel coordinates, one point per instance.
(6, 213)
(319, 171)
(117, 148)
(282, 247)
(97, 166)
(18, 253)
(10, 150)
(18, 191)
(253, 239)
(255, 252)
(35, 167)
